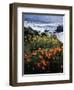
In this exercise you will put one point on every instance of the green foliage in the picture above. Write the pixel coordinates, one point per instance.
(42, 42)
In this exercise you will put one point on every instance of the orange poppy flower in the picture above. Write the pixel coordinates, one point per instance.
(34, 53)
(41, 57)
(44, 62)
(39, 48)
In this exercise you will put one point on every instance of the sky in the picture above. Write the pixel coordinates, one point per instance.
(44, 22)
(43, 18)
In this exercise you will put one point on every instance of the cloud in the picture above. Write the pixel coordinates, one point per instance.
(43, 18)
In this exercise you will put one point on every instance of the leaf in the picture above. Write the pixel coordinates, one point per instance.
(35, 59)
(47, 49)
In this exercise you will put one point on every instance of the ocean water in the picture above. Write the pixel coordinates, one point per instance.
(46, 26)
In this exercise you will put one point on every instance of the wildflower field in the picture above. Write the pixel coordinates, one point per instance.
(43, 53)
